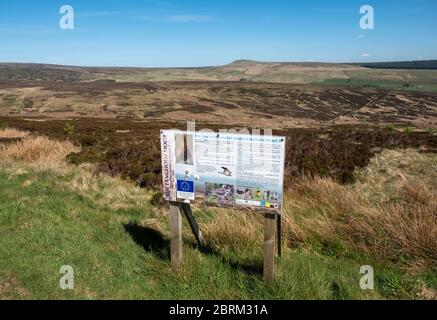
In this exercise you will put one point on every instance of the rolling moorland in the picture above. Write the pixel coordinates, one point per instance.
(80, 179)
(277, 95)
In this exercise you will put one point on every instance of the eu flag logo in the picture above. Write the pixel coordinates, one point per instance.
(185, 186)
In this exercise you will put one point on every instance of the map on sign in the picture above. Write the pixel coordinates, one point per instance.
(223, 169)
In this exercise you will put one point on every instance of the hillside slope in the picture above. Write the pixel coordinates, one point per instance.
(414, 65)
(241, 70)
(54, 214)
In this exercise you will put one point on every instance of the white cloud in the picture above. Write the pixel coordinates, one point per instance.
(365, 55)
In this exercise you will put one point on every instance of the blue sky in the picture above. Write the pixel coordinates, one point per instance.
(215, 32)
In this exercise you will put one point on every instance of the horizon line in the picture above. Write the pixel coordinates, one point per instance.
(214, 66)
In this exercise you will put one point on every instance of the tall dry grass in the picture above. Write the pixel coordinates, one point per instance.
(110, 192)
(42, 153)
(390, 214)
(237, 231)
(37, 151)
(11, 133)
(403, 230)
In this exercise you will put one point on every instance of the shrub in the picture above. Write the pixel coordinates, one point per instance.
(69, 129)
(391, 128)
(87, 141)
(84, 156)
(158, 200)
(408, 130)
(346, 177)
(149, 180)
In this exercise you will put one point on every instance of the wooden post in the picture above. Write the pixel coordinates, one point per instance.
(269, 247)
(186, 208)
(279, 222)
(270, 225)
(175, 235)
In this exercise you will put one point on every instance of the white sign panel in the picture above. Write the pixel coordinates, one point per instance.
(223, 169)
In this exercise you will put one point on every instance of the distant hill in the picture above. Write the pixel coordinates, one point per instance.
(410, 65)
(240, 70)
(402, 73)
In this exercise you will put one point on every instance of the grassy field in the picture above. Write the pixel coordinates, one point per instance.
(53, 213)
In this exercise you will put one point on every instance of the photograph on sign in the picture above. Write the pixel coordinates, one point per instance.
(223, 169)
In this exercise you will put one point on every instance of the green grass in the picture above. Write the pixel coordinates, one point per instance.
(44, 225)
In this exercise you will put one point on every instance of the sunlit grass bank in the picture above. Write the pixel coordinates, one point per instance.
(54, 214)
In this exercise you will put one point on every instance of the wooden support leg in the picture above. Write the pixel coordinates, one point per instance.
(279, 221)
(269, 247)
(193, 223)
(175, 235)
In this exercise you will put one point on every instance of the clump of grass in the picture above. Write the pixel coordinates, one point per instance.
(40, 151)
(408, 130)
(11, 133)
(391, 128)
(431, 131)
(69, 129)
